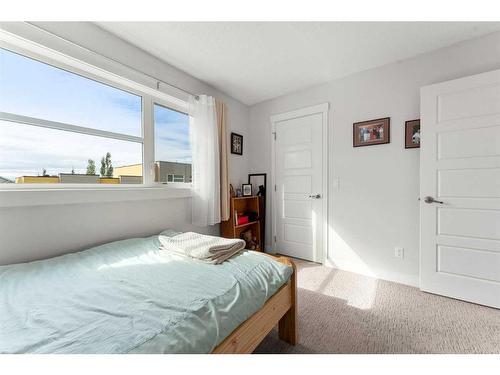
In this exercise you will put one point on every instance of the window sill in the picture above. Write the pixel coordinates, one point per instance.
(47, 196)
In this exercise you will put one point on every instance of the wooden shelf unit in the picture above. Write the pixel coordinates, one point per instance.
(229, 229)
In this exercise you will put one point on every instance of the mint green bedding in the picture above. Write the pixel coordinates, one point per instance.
(130, 297)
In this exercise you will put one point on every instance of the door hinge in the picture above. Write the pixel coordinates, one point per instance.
(274, 187)
(274, 238)
(274, 134)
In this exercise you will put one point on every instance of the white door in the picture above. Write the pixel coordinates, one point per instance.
(460, 171)
(300, 183)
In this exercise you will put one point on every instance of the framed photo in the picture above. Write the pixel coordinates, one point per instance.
(372, 132)
(412, 134)
(236, 144)
(247, 190)
(258, 182)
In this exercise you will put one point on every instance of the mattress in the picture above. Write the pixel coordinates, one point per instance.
(131, 297)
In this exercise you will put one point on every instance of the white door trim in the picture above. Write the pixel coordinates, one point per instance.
(307, 111)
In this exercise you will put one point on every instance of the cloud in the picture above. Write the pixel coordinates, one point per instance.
(172, 143)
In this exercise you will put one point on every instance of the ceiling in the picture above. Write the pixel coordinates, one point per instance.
(256, 61)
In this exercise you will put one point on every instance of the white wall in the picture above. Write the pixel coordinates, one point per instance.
(28, 233)
(376, 208)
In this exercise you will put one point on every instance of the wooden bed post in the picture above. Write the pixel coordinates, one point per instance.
(287, 326)
(280, 309)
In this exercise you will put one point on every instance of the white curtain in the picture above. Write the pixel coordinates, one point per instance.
(204, 139)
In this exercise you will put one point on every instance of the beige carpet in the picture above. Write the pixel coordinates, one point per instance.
(343, 312)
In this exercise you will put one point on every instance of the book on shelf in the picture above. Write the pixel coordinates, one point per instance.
(243, 220)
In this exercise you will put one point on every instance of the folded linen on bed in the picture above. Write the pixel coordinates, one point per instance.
(209, 249)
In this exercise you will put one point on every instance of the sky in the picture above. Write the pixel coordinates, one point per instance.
(31, 88)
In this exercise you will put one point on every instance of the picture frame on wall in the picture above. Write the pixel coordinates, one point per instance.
(236, 144)
(259, 188)
(371, 132)
(258, 182)
(412, 134)
(247, 190)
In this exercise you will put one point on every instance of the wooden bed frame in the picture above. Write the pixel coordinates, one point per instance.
(280, 309)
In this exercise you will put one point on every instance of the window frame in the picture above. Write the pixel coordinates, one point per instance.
(173, 178)
(148, 91)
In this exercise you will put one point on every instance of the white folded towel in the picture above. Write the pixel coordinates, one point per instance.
(209, 249)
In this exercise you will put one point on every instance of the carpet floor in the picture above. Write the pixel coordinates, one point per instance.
(343, 312)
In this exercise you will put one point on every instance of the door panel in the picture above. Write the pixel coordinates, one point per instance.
(298, 173)
(484, 224)
(297, 184)
(473, 263)
(469, 143)
(477, 101)
(298, 209)
(479, 183)
(460, 166)
(297, 159)
(297, 233)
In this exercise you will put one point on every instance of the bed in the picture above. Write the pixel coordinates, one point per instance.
(131, 297)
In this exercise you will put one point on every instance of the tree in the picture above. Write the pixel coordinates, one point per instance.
(106, 166)
(91, 167)
(44, 173)
(103, 167)
(72, 170)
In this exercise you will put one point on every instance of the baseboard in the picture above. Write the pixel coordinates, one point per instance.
(378, 274)
(269, 249)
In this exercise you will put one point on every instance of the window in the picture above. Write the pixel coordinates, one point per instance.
(172, 146)
(60, 127)
(175, 178)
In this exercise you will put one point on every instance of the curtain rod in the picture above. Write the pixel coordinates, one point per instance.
(158, 81)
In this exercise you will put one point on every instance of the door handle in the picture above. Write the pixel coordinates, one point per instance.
(315, 196)
(431, 200)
